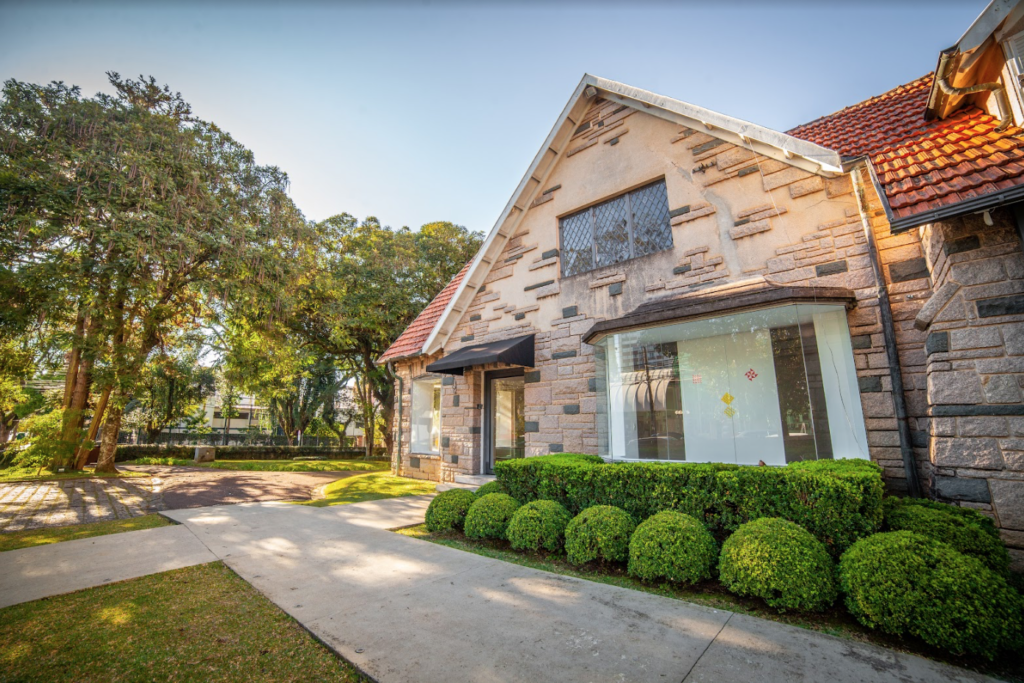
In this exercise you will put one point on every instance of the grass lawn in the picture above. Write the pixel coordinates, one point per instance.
(375, 486)
(835, 621)
(200, 623)
(12, 474)
(273, 465)
(33, 537)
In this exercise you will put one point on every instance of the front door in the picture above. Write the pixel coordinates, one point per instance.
(505, 424)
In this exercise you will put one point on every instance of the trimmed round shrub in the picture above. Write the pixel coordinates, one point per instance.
(779, 562)
(957, 531)
(489, 515)
(448, 509)
(489, 487)
(600, 532)
(906, 583)
(673, 546)
(540, 524)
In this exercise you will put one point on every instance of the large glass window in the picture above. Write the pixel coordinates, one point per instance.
(775, 385)
(426, 415)
(630, 225)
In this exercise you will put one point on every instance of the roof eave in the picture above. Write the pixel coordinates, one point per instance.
(975, 205)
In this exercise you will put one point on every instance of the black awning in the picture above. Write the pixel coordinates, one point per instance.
(515, 351)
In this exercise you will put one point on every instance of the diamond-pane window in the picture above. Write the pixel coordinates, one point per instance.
(630, 225)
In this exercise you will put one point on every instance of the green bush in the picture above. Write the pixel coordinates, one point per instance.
(489, 487)
(537, 525)
(838, 501)
(673, 546)
(955, 530)
(489, 515)
(779, 562)
(970, 515)
(600, 532)
(902, 582)
(129, 452)
(448, 509)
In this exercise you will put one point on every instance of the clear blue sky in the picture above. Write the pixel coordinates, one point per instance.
(423, 111)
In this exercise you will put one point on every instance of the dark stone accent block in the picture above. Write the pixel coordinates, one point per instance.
(937, 342)
(615, 288)
(483, 288)
(468, 337)
(570, 311)
(681, 211)
(913, 269)
(552, 189)
(474, 430)
(519, 316)
(1004, 305)
(585, 126)
(831, 268)
(742, 221)
(527, 288)
(531, 377)
(414, 463)
(869, 385)
(679, 270)
(447, 381)
(746, 171)
(975, 410)
(555, 448)
(455, 400)
(700, 149)
(919, 439)
(549, 253)
(455, 460)
(571, 410)
(474, 318)
(969, 243)
(592, 384)
(961, 488)
(613, 142)
(861, 341)
(446, 441)
(531, 427)
(511, 259)
(563, 354)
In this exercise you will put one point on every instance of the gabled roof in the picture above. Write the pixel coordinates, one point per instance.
(410, 342)
(792, 150)
(927, 169)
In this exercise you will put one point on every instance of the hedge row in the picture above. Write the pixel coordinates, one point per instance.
(239, 452)
(837, 501)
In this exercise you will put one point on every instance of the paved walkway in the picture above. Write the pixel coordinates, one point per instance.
(408, 610)
(34, 504)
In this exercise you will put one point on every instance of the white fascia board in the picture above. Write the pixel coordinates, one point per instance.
(985, 25)
(771, 143)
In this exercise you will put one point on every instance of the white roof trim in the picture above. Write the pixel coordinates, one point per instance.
(985, 25)
(770, 143)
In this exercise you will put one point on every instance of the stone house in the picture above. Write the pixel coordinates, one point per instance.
(670, 283)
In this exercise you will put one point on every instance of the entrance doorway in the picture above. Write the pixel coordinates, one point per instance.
(505, 421)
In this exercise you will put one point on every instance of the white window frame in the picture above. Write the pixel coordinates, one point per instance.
(423, 389)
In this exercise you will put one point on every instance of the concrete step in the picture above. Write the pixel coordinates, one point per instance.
(470, 482)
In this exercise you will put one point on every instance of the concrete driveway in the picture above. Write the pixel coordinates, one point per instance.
(192, 487)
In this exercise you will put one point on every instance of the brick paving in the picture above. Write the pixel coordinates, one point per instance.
(35, 504)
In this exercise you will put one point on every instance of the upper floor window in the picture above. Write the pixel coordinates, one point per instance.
(633, 224)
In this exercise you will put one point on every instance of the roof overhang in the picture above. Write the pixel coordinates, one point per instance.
(515, 351)
(770, 143)
(672, 311)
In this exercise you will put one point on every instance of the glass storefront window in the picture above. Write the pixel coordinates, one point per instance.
(774, 386)
(426, 415)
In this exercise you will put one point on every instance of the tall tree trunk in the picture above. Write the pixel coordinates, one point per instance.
(108, 445)
(94, 426)
(74, 355)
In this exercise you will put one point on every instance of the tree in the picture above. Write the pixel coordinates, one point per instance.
(172, 388)
(340, 413)
(142, 218)
(370, 283)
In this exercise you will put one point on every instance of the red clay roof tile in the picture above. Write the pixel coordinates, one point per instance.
(923, 165)
(410, 342)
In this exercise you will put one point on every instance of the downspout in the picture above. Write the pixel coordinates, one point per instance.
(401, 400)
(889, 335)
(1002, 101)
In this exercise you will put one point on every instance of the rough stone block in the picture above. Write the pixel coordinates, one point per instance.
(908, 270)
(937, 342)
(978, 272)
(831, 268)
(205, 454)
(975, 338)
(957, 386)
(1008, 501)
(531, 376)
(571, 410)
(957, 246)
(869, 384)
(558, 355)
(1001, 389)
(975, 453)
(807, 186)
(983, 426)
(555, 448)
(962, 488)
(1005, 305)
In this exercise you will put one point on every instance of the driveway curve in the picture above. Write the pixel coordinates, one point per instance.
(193, 487)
